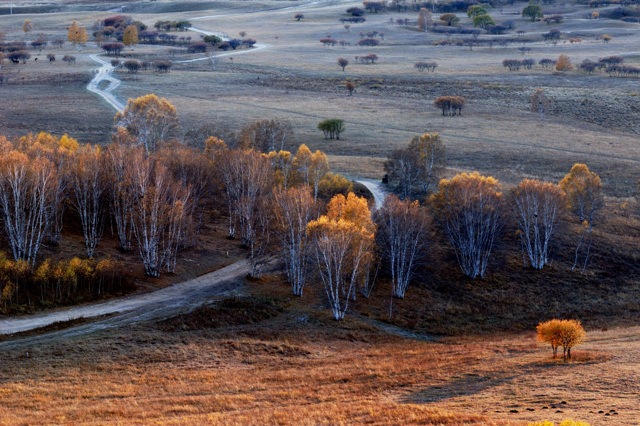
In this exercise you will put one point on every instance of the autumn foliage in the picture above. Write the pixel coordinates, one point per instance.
(469, 207)
(565, 333)
(343, 241)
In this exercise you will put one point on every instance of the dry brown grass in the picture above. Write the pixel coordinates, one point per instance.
(302, 368)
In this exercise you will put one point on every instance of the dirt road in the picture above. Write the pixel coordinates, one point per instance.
(158, 304)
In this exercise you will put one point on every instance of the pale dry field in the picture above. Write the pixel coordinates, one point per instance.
(296, 78)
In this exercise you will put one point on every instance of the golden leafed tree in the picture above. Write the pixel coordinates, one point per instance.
(469, 207)
(130, 36)
(343, 242)
(76, 34)
(564, 63)
(565, 333)
(149, 120)
(27, 26)
(584, 192)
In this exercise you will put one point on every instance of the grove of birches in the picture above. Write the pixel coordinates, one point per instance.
(154, 192)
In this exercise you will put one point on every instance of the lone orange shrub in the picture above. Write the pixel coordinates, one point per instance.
(565, 333)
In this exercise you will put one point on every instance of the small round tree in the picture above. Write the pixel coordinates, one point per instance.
(533, 12)
(298, 17)
(563, 63)
(565, 333)
(343, 63)
(350, 87)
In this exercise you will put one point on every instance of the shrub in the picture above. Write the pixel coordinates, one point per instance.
(197, 47)
(368, 42)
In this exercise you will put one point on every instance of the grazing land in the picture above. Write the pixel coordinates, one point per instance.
(455, 350)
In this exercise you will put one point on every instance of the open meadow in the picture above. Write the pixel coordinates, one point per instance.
(455, 350)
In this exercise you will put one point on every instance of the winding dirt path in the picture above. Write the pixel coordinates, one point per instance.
(157, 304)
(103, 73)
(376, 188)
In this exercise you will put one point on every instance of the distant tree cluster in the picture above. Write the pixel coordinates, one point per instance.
(429, 66)
(450, 105)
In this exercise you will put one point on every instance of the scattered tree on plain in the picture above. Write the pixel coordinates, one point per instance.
(537, 207)
(332, 128)
(425, 19)
(564, 63)
(450, 105)
(449, 19)
(298, 17)
(77, 35)
(469, 209)
(533, 11)
(342, 62)
(565, 333)
(130, 36)
(350, 86)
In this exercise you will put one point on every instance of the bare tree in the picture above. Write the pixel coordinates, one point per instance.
(246, 176)
(294, 209)
(120, 159)
(159, 218)
(405, 169)
(403, 235)
(537, 207)
(87, 182)
(267, 135)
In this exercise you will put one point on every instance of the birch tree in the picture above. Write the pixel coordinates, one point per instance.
(88, 189)
(537, 207)
(119, 161)
(27, 188)
(469, 208)
(149, 120)
(343, 242)
(318, 169)
(430, 151)
(584, 192)
(403, 228)
(294, 209)
(159, 218)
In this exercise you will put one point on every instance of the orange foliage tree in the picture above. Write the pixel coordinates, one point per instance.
(343, 242)
(469, 208)
(565, 333)
(148, 120)
(584, 192)
(537, 208)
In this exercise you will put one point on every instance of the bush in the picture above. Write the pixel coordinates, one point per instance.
(197, 47)
(132, 65)
(369, 42)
